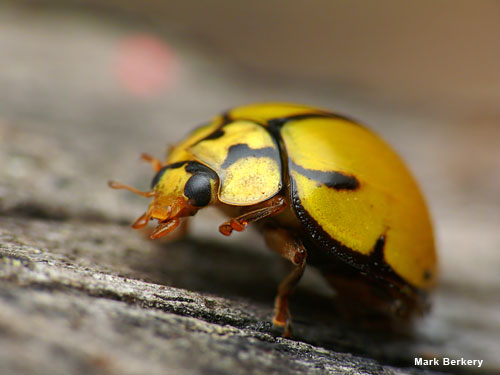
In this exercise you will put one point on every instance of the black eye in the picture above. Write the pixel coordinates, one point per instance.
(198, 189)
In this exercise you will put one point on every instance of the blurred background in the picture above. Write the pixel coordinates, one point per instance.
(116, 78)
(86, 86)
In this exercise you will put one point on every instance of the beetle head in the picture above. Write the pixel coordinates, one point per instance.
(178, 190)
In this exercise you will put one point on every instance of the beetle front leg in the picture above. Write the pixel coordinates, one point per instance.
(272, 207)
(284, 243)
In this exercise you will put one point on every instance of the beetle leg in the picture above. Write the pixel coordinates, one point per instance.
(284, 243)
(164, 228)
(273, 206)
(157, 164)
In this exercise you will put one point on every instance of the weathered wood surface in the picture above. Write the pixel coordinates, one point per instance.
(80, 292)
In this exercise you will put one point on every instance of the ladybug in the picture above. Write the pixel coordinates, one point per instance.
(323, 190)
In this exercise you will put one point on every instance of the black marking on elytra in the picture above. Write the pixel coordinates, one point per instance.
(283, 157)
(226, 118)
(176, 165)
(378, 251)
(191, 167)
(242, 150)
(278, 122)
(332, 179)
(427, 275)
(218, 133)
(328, 254)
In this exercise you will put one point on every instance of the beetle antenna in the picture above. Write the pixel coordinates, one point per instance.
(157, 165)
(117, 185)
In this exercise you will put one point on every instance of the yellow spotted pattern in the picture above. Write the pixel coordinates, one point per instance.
(245, 179)
(387, 201)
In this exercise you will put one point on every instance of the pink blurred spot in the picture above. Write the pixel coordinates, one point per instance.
(146, 65)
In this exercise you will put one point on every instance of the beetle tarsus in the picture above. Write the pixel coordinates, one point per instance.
(234, 224)
(283, 329)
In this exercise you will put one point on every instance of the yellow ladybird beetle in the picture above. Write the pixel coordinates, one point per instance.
(323, 190)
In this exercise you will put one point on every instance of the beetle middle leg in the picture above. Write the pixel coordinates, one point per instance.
(272, 207)
(291, 248)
